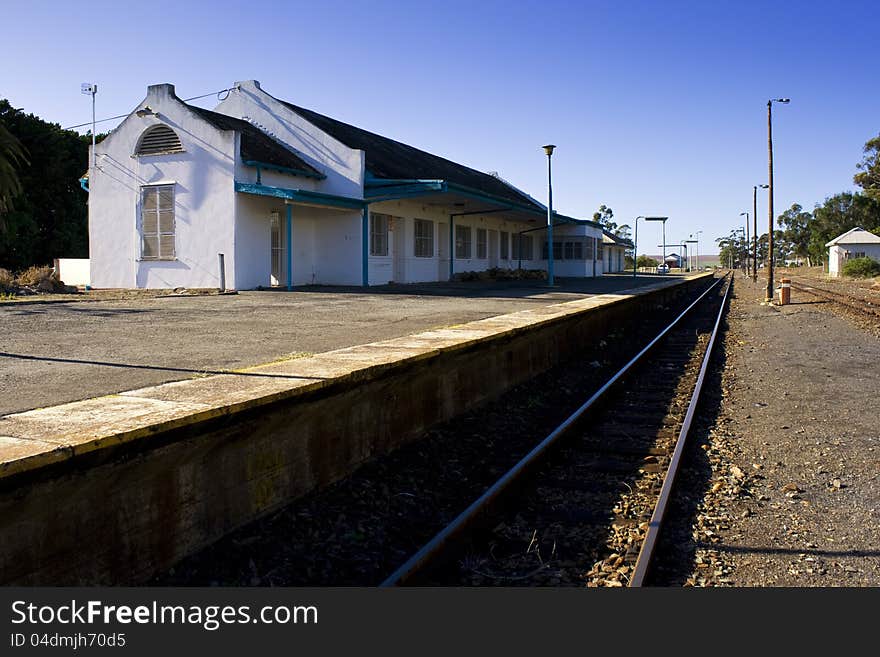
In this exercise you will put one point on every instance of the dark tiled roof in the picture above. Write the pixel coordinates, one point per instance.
(618, 239)
(256, 144)
(387, 158)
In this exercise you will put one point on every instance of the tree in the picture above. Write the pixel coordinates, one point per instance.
(839, 214)
(868, 177)
(605, 217)
(796, 234)
(732, 249)
(12, 157)
(49, 218)
(645, 261)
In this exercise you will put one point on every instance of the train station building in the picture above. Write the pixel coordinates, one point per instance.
(261, 192)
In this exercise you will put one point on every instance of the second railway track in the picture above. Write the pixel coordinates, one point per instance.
(588, 499)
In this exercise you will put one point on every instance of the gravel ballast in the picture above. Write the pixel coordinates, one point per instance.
(792, 497)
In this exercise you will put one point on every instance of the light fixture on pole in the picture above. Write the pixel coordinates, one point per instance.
(697, 257)
(770, 194)
(746, 245)
(90, 88)
(755, 230)
(663, 219)
(549, 150)
(636, 245)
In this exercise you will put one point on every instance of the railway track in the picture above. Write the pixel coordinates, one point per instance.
(585, 506)
(861, 305)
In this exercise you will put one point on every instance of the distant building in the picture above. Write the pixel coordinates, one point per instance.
(292, 197)
(855, 243)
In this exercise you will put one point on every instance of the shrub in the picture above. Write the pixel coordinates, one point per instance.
(33, 276)
(861, 268)
(7, 280)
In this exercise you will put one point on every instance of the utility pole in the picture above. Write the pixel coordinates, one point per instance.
(770, 200)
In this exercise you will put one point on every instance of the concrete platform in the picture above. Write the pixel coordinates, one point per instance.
(111, 489)
(53, 353)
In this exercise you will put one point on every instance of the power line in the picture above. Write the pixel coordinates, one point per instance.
(122, 116)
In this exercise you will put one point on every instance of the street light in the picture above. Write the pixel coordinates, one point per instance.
(697, 256)
(549, 150)
(90, 88)
(784, 101)
(746, 215)
(755, 231)
(636, 245)
(663, 219)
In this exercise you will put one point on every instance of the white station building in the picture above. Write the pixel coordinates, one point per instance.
(854, 243)
(284, 196)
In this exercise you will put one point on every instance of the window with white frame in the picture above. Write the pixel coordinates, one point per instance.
(462, 242)
(521, 247)
(424, 238)
(157, 222)
(573, 251)
(482, 248)
(599, 250)
(589, 245)
(557, 250)
(505, 243)
(379, 234)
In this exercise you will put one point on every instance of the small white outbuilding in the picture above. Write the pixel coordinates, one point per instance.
(854, 243)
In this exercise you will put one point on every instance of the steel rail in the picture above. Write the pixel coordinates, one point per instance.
(467, 517)
(837, 297)
(643, 561)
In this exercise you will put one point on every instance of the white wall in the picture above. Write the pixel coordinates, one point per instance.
(837, 255)
(420, 269)
(203, 195)
(427, 269)
(73, 271)
(343, 166)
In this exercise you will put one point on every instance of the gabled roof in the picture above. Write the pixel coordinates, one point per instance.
(855, 235)
(390, 159)
(256, 145)
(611, 238)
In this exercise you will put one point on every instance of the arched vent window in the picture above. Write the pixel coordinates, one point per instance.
(158, 140)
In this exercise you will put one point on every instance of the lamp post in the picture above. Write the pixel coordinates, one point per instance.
(91, 88)
(755, 231)
(746, 245)
(663, 219)
(636, 245)
(549, 150)
(697, 256)
(770, 194)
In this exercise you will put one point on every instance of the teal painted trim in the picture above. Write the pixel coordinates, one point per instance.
(491, 198)
(301, 195)
(391, 182)
(275, 167)
(365, 247)
(84, 183)
(289, 247)
(392, 192)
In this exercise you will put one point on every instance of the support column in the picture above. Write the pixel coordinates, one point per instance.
(289, 247)
(365, 247)
(451, 247)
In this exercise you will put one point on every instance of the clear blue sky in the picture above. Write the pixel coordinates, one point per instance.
(655, 107)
